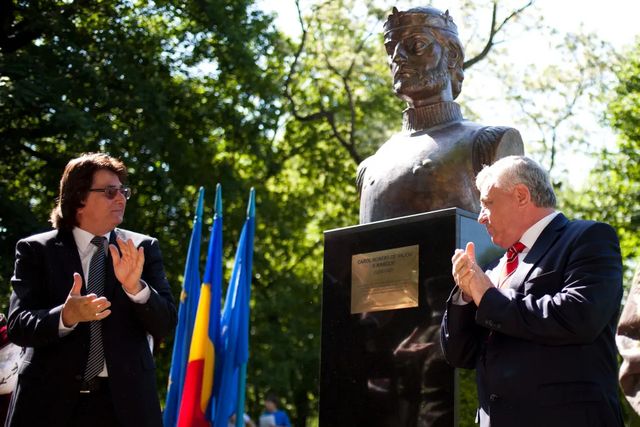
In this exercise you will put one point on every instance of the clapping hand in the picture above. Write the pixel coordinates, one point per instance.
(127, 264)
(83, 308)
(468, 275)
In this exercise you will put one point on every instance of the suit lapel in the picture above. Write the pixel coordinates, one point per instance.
(548, 236)
(67, 253)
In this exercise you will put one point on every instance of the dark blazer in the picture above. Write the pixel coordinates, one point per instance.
(544, 349)
(50, 377)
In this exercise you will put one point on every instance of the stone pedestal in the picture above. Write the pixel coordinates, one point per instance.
(382, 366)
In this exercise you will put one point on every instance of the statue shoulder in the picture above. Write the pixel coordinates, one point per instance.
(362, 168)
(491, 143)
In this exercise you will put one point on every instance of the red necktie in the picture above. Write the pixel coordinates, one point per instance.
(512, 262)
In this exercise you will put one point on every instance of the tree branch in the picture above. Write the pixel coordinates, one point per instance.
(34, 24)
(11, 151)
(350, 144)
(493, 31)
(296, 57)
(323, 114)
(14, 36)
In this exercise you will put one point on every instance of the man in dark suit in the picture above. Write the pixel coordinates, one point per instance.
(538, 328)
(88, 301)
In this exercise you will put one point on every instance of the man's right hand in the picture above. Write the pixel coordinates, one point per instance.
(468, 275)
(79, 308)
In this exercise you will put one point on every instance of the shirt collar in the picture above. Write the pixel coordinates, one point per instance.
(531, 235)
(83, 239)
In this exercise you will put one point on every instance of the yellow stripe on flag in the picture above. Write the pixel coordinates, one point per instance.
(202, 346)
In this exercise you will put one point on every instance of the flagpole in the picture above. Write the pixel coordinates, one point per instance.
(242, 380)
(242, 377)
(186, 316)
(216, 296)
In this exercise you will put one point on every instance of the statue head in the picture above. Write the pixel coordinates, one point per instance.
(425, 55)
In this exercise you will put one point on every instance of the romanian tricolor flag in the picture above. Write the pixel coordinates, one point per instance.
(195, 407)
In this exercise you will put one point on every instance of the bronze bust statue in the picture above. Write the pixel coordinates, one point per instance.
(432, 163)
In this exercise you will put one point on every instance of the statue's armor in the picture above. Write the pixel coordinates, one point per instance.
(425, 170)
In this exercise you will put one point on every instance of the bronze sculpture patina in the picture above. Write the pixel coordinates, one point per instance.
(431, 164)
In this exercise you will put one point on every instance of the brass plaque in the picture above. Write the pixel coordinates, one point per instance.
(384, 280)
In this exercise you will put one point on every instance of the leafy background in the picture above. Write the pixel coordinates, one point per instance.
(194, 93)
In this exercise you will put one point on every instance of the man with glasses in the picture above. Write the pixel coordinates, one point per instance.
(86, 297)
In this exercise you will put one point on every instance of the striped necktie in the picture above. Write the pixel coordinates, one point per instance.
(95, 285)
(511, 264)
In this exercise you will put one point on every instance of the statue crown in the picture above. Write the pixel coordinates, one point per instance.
(420, 17)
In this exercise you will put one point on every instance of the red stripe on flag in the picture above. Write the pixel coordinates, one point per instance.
(191, 414)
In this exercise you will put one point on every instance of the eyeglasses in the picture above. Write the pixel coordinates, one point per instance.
(111, 191)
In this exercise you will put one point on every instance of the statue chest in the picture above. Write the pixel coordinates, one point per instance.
(413, 175)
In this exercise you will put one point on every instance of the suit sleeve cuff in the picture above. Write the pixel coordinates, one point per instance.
(492, 308)
(62, 330)
(456, 298)
(141, 297)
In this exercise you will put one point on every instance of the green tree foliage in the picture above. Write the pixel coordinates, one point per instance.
(613, 193)
(115, 77)
(340, 80)
(187, 95)
(339, 84)
(200, 92)
(336, 108)
(562, 105)
(120, 76)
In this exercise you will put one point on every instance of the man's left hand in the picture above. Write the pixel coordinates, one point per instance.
(468, 275)
(128, 266)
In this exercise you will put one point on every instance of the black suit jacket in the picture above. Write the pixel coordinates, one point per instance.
(544, 349)
(50, 377)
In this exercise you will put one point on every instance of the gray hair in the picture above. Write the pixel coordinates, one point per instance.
(512, 170)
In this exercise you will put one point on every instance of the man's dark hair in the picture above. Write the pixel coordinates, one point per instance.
(273, 398)
(75, 184)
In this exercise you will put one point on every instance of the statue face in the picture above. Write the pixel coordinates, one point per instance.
(418, 65)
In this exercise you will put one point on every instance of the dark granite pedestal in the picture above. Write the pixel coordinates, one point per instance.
(385, 368)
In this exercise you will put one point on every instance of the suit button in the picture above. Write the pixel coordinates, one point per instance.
(493, 397)
(78, 377)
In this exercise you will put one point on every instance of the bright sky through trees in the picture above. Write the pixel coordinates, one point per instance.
(614, 22)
